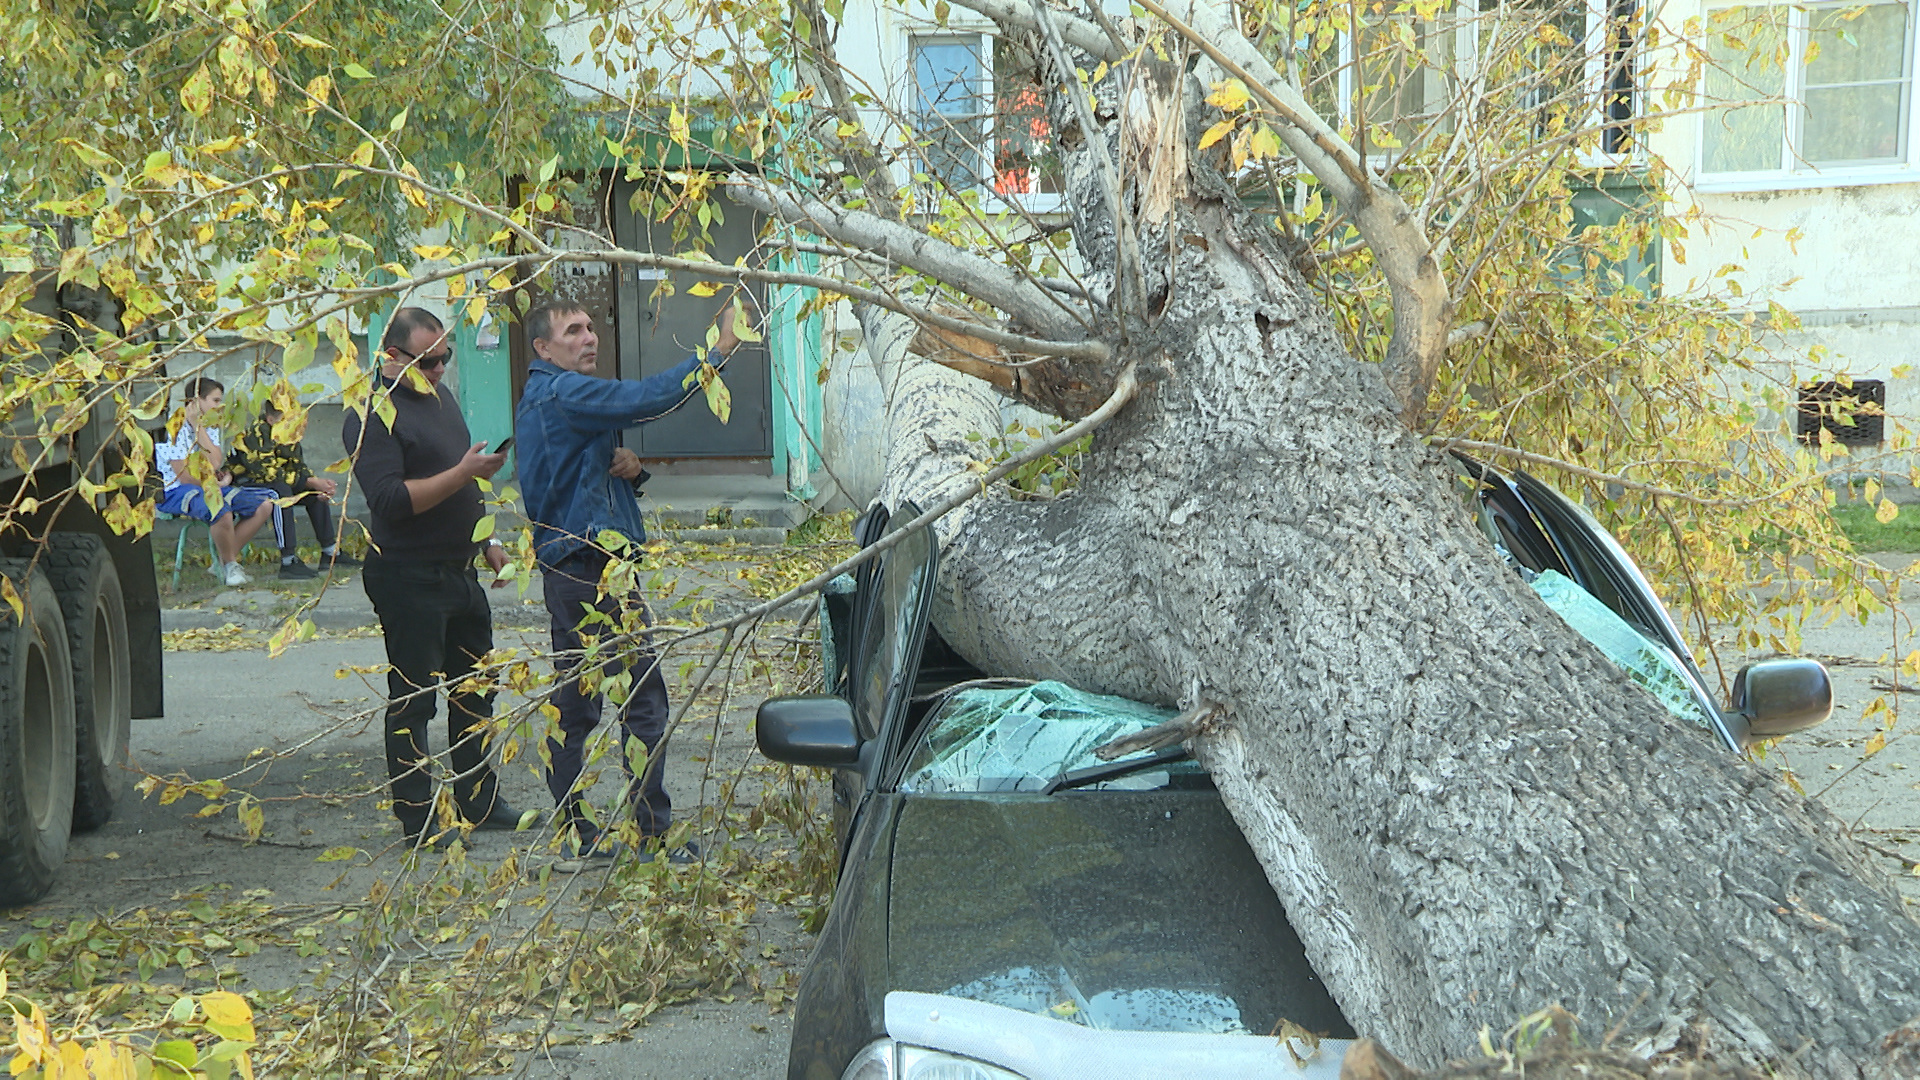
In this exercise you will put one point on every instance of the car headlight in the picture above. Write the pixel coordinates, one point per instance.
(884, 1059)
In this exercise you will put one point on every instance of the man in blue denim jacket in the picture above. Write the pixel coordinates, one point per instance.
(576, 485)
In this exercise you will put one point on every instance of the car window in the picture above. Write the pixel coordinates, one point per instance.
(1606, 600)
(1021, 739)
(1645, 661)
(890, 633)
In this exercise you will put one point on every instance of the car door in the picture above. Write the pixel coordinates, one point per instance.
(891, 608)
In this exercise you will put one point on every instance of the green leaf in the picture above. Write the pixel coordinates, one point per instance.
(299, 354)
(547, 169)
(399, 120)
(355, 71)
(483, 528)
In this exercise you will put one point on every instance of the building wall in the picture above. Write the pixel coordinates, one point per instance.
(1844, 258)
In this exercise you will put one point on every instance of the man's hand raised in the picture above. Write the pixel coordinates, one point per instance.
(478, 464)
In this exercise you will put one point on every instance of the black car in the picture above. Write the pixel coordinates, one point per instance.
(1012, 906)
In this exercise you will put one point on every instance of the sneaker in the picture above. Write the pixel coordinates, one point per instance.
(236, 576)
(339, 560)
(297, 571)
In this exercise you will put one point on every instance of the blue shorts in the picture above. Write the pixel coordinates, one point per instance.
(187, 500)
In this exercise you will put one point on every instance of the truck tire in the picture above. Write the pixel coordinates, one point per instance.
(36, 738)
(84, 578)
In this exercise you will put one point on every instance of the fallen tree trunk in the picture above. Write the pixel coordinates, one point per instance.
(1468, 812)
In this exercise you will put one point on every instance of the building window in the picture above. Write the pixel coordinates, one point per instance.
(1830, 86)
(1854, 413)
(980, 114)
(1572, 64)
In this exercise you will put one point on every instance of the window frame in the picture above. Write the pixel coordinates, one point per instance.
(991, 200)
(1597, 61)
(1794, 173)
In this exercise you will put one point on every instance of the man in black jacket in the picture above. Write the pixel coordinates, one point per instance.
(418, 478)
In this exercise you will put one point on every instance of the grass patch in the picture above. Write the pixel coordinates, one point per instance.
(1902, 534)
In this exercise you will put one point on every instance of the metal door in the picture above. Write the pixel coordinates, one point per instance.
(656, 333)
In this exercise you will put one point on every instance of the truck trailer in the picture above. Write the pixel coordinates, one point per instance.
(82, 658)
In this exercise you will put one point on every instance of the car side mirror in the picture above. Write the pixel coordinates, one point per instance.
(1780, 697)
(807, 729)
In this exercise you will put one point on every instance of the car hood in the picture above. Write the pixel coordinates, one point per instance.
(1133, 911)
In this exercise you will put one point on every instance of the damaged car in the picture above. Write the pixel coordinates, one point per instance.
(1010, 905)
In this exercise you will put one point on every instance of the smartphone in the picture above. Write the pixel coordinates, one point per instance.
(503, 446)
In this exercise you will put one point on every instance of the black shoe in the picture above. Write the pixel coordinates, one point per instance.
(339, 560)
(502, 818)
(297, 571)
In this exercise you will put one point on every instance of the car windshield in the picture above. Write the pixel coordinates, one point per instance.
(1026, 738)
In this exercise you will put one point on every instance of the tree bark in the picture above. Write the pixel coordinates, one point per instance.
(1467, 811)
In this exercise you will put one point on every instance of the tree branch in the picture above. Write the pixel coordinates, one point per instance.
(1077, 32)
(909, 247)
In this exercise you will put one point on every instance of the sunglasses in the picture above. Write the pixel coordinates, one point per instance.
(428, 363)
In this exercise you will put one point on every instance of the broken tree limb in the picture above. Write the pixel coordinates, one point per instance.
(1195, 721)
(1046, 313)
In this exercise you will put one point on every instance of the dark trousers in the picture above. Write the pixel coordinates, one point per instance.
(570, 591)
(319, 511)
(437, 625)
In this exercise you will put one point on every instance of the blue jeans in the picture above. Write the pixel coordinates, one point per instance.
(570, 590)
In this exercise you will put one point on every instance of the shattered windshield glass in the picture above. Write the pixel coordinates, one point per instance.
(1023, 738)
(1645, 662)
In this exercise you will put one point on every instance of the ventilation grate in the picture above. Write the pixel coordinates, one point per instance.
(1864, 402)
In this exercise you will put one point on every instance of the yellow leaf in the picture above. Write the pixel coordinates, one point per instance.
(196, 94)
(228, 1015)
(1229, 95)
(1217, 132)
(319, 89)
(1264, 144)
(12, 597)
(743, 326)
(1886, 512)
(704, 288)
(719, 399)
(1875, 745)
